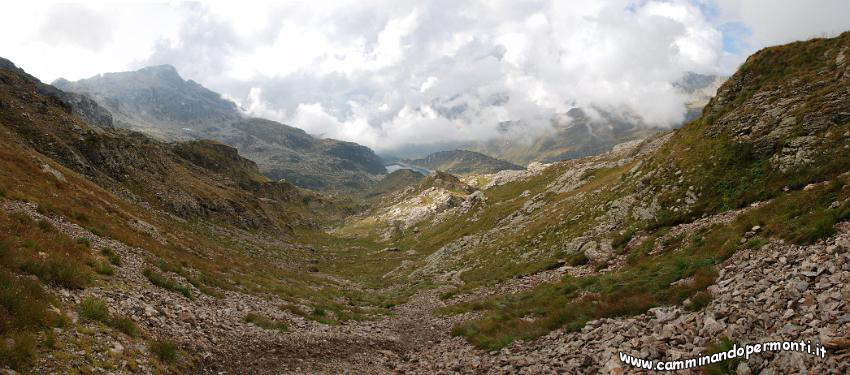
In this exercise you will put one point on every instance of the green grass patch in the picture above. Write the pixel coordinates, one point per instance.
(71, 275)
(110, 255)
(102, 267)
(167, 283)
(18, 350)
(728, 366)
(164, 350)
(125, 325)
(265, 322)
(94, 309)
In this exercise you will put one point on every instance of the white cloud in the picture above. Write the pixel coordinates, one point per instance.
(782, 21)
(389, 72)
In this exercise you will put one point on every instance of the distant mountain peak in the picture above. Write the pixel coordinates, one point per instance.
(156, 100)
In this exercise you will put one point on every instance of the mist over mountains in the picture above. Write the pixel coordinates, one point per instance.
(158, 101)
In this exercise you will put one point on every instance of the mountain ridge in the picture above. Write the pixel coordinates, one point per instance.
(159, 102)
(462, 162)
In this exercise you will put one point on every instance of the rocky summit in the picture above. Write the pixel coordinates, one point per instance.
(148, 227)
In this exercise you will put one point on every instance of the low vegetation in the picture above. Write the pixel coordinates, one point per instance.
(164, 350)
(264, 322)
(728, 366)
(651, 280)
(167, 283)
(110, 255)
(95, 310)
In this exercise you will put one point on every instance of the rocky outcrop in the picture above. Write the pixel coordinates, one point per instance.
(779, 113)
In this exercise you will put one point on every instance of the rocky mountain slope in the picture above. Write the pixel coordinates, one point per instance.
(158, 102)
(728, 231)
(462, 162)
(568, 246)
(107, 233)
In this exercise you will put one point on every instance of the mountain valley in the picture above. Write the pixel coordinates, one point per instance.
(148, 226)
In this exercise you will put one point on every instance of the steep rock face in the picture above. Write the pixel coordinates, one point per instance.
(779, 123)
(463, 162)
(158, 102)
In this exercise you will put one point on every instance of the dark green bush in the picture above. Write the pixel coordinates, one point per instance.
(94, 309)
(165, 350)
(164, 282)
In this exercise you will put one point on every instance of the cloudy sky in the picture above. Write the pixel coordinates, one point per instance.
(395, 72)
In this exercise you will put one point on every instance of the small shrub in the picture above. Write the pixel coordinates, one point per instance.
(266, 323)
(82, 241)
(319, 311)
(102, 267)
(169, 267)
(699, 301)
(94, 309)
(23, 304)
(20, 353)
(113, 258)
(577, 259)
(45, 226)
(95, 231)
(726, 367)
(61, 272)
(164, 282)
(49, 339)
(203, 288)
(165, 350)
(125, 325)
(621, 240)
